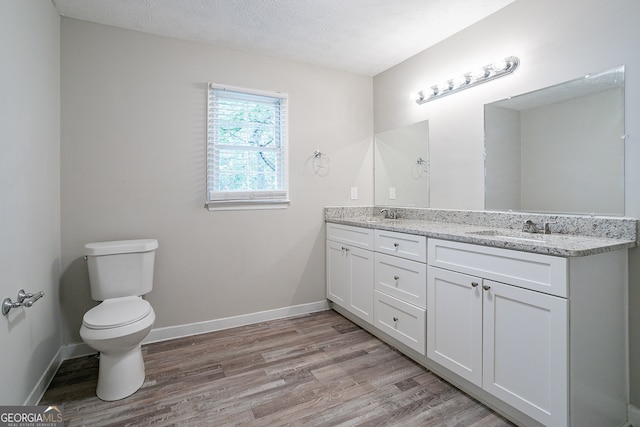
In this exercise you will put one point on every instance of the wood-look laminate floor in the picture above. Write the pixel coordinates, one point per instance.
(314, 370)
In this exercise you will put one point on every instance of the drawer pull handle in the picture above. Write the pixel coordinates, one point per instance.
(486, 287)
(395, 319)
(474, 284)
(395, 245)
(396, 278)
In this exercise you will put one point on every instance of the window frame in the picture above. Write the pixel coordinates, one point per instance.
(246, 199)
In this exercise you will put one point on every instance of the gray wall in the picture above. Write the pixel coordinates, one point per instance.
(133, 166)
(30, 192)
(555, 41)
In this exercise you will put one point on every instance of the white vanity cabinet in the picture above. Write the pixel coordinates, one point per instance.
(521, 327)
(350, 269)
(510, 341)
(400, 287)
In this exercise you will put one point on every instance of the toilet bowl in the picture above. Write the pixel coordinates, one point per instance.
(116, 328)
(119, 272)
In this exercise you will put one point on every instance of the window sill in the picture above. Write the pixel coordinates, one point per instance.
(246, 205)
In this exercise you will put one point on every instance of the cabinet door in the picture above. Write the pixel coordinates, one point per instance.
(525, 351)
(338, 274)
(454, 322)
(361, 282)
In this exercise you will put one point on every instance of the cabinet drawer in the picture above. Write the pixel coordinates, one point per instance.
(402, 278)
(355, 236)
(537, 272)
(402, 321)
(404, 245)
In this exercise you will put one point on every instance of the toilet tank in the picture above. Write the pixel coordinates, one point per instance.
(120, 268)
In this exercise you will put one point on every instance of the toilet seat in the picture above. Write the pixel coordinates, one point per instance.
(116, 312)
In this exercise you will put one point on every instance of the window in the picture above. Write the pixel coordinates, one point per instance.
(246, 149)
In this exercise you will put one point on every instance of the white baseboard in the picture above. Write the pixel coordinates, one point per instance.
(45, 379)
(172, 332)
(80, 349)
(72, 351)
(633, 413)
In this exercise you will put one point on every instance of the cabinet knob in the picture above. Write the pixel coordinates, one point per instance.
(474, 284)
(396, 277)
(486, 287)
(395, 245)
(395, 319)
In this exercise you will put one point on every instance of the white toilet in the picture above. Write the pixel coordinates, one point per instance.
(119, 272)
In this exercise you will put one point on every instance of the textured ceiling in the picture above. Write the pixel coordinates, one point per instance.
(362, 36)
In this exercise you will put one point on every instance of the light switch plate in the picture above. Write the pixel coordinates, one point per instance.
(354, 193)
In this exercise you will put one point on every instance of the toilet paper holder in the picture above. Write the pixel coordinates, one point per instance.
(24, 300)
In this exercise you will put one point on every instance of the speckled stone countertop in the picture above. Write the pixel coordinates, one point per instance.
(571, 235)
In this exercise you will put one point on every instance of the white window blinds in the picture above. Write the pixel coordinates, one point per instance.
(246, 148)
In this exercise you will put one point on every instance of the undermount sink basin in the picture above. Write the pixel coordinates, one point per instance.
(518, 236)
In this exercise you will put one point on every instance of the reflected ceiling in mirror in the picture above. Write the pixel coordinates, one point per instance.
(401, 166)
(558, 149)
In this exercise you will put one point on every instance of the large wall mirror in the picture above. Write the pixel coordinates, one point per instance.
(402, 166)
(558, 149)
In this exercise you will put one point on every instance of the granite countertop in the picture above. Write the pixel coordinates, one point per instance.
(564, 245)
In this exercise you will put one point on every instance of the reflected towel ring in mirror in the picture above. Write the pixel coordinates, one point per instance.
(419, 168)
(422, 163)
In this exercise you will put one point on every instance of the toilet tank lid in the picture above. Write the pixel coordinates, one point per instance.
(120, 247)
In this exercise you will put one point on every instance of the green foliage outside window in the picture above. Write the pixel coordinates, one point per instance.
(247, 146)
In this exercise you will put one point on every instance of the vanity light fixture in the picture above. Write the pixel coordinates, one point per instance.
(484, 74)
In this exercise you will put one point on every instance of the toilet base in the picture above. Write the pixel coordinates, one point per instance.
(120, 375)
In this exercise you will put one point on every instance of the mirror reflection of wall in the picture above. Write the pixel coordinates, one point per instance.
(402, 166)
(559, 149)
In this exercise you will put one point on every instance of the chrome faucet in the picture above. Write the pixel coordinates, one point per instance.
(389, 213)
(530, 227)
(547, 226)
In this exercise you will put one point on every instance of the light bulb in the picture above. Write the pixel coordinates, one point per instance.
(499, 65)
(480, 73)
(445, 86)
(460, 81)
